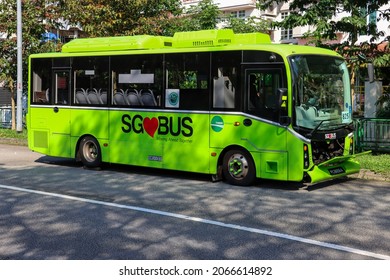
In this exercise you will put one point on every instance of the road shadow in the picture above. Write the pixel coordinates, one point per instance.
(278, 185)
(127, 169)
(49, 227)
(170, 174)
(59, 161)
(183, 175)
(326, 184)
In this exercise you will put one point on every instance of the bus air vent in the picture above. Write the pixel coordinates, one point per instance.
(203, 38)
(41, 139)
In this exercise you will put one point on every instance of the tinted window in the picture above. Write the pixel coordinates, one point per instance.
(262, 88)
(226, 83)
(61, 87)
(187, 80)
(91, 80)
(261, 57)
(137, 80)
(41, 81)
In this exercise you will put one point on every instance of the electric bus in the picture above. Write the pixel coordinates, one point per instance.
(234, 106)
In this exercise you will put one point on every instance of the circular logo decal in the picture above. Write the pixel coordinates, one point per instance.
(217, 123)
(173, 98)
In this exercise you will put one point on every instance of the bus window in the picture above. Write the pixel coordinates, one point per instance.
(225, 79)
(61, 87)
(137, 80)
(61, 62)
(322, 92)
(188, 74)
(91, 79)
(41, 77)
(262, 89)
(261, 57)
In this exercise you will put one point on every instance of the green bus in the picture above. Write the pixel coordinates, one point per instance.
(234, 106)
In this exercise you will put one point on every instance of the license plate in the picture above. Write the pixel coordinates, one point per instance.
(330, 136)
(337, 170)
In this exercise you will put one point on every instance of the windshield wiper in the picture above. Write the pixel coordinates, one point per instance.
(318, 126)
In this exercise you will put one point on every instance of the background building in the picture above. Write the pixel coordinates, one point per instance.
(247, 8)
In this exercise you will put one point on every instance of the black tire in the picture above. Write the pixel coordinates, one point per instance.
(89, 152)
(238, 168)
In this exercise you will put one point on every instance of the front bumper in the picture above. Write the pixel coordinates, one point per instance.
(334, 168)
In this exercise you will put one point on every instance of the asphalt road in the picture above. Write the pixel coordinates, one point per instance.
(52, 208)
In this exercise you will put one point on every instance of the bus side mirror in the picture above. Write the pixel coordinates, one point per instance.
(284, 119)
(282, 93)
(370, 70)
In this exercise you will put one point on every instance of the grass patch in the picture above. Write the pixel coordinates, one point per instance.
(9, 133)
(379, 163)
(9, 136)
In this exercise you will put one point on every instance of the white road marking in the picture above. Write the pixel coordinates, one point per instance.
(207, 221)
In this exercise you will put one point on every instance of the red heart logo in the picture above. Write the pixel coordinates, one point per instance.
(150, 125)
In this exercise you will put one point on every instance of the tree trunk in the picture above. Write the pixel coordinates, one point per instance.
(13, 105)
(13, 113)
(353, 74)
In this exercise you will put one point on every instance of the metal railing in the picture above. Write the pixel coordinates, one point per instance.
(372, 134)
(360, 89)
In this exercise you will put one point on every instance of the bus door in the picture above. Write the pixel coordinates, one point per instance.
(261, 132)
(59, 114)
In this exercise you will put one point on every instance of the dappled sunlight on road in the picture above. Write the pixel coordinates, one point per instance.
(40, 226)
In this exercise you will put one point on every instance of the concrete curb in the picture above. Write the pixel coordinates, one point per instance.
(370, 175)
(13, 141)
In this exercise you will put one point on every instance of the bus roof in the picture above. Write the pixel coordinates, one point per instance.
(204, 40)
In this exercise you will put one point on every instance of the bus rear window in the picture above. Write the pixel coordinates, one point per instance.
(41, 81)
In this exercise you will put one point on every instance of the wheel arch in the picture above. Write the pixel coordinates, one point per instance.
(225, 150)
(77, 146)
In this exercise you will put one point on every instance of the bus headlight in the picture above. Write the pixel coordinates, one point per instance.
(306, 161)
(351, 146)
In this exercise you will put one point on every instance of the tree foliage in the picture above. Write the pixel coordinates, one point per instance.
(206, 15)
(384, 105)
(203, 15)
(38, 16)
(119, 17)
(321, 14)
(248, 25)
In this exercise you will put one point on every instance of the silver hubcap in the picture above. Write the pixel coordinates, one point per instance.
(238, 166)
(90, 151)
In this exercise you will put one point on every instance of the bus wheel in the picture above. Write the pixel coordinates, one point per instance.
(238, 168)
(89, 152)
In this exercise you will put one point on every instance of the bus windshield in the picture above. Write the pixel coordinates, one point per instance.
(321, 89)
